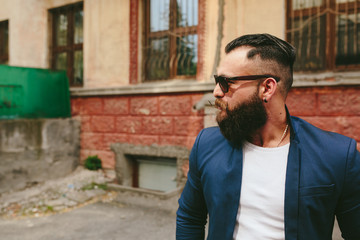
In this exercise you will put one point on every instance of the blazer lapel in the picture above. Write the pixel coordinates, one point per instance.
(292, 190)
(231, 192)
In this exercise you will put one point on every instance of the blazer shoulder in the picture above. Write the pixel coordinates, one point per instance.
(309, 134)
(211, 135)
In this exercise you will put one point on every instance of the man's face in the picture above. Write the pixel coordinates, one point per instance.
(241, 110)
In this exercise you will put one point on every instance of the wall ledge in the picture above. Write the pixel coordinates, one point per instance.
(188, 86)
(174, 86)
(326, 79)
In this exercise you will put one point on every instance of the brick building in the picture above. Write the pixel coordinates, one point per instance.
(137, 67)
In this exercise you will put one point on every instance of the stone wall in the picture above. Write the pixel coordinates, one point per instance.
(164, 120)
(335, 109)
(170, 120)
(35, 150)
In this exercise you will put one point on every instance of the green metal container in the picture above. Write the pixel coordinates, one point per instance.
(33, 93)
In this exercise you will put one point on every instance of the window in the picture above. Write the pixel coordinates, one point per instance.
(155, 173)
(171, 39)
(326, 34)
(67, 41)
(4, 42)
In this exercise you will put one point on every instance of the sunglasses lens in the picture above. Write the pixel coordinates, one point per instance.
(222, 82)
(223, 85)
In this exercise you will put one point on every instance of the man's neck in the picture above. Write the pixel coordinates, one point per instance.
(275, 132)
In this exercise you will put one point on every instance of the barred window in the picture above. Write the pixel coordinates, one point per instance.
(326, 34)
(171, 40)
(67, 41)
(4, 42)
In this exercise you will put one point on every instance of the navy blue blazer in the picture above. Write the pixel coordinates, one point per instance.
(322, 181)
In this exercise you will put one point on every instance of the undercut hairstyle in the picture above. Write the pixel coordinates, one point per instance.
(269, 48)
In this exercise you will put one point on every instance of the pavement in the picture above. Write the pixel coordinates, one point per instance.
(87, 205)
(83, 205)
(96, 221)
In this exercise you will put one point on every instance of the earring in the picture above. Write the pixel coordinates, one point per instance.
(265, 101)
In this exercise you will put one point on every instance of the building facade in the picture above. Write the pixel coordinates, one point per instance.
(137, 68)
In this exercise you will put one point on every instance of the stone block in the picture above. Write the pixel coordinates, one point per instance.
(144, 106)
(143, 139)
(92, 106)
(85, 123)
(110, 138)
(102, 123)
(340, 102)
(172, 140)
(92, 141)
(175, 105)
(188, 126)
(129, 124)
(302, 103)
(158, 125)
(76, 106)
(116, 106)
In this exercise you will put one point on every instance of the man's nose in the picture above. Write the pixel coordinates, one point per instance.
(218, 93)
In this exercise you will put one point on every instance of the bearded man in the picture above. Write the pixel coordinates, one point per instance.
(263, 174)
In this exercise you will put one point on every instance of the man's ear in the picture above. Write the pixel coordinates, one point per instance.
(268, 89)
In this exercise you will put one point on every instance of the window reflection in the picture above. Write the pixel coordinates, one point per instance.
(61, 30)
(348, 45)
(296, 4)
(61, 61)
(78, 35)
(187, 13)
(171, 39)
(78, 67)
(158, 60)
(159, 15)
(187, 55)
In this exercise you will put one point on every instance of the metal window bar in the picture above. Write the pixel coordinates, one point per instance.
(318, 32)
(356, 28)
(325, 33)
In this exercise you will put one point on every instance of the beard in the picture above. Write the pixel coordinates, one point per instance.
(241, 122)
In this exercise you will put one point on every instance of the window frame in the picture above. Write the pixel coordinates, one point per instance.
(331, 34)
(71, 47)
(175, 32)
(4, 49)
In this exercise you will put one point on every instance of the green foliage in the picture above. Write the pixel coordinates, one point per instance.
(93, 163)
(49, 209)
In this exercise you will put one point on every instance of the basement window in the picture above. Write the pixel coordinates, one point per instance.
(158, 168)
(155, 173)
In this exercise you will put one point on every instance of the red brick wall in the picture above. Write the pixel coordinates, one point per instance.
(170, 120)
(334, 109)
(142, 120)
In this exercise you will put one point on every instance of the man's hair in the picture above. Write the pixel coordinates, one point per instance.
(269, 48)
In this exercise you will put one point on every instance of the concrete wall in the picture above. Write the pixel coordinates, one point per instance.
(33, 151)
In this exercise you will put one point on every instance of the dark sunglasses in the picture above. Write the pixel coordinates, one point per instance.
(224, 81)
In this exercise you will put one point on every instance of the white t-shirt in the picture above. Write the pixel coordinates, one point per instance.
(261, 209)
